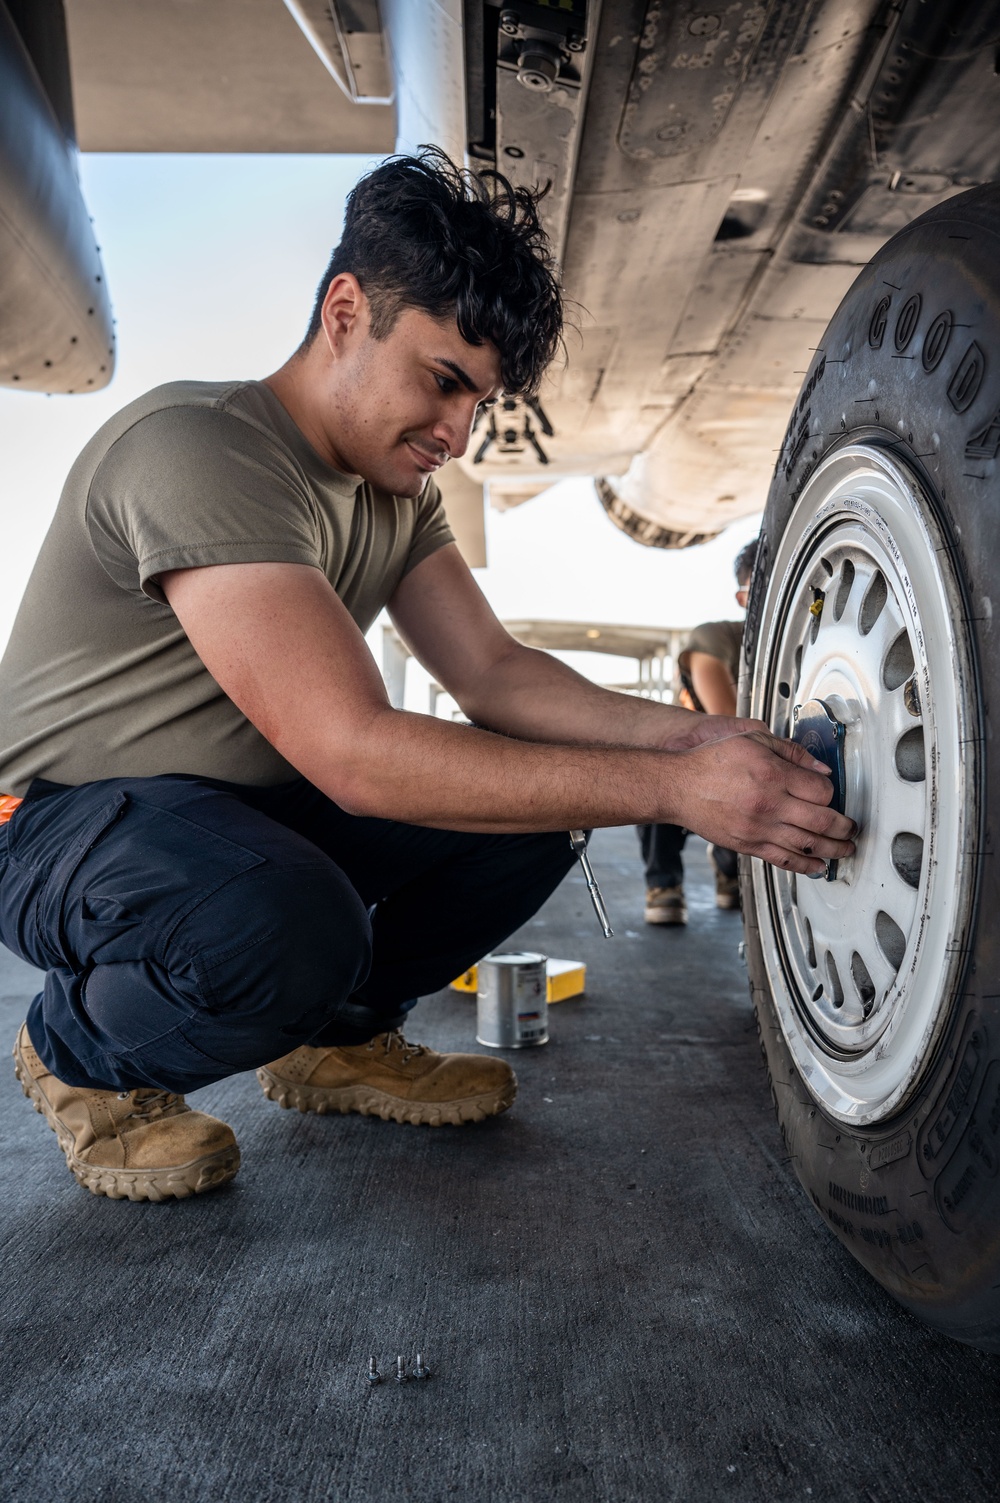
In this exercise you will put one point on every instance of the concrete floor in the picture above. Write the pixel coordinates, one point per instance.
(620, 1287)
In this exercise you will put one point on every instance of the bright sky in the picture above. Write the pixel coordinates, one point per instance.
(212, 262)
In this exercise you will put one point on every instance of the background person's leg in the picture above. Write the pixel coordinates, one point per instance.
(725, 862)
(662, 846)
(186, 936)
(727, 877)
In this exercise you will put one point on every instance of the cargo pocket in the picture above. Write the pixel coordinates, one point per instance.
(34, 874)
(123, 898)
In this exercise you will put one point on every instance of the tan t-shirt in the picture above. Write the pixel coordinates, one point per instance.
(99, 679)
(719, 639)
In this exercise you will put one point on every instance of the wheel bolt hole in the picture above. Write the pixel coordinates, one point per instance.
(863, 983)
(816, 612)
(898, 664)
(873, 604)
(784, 690)
(910, 761)
(817, 992)
(907, 855)
(911, 697)
(847, 572)
(836, 990)
(891, 939)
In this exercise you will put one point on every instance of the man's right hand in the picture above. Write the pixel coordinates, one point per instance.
(766, 797)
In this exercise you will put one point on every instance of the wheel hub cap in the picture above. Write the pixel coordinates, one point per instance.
(822, 734)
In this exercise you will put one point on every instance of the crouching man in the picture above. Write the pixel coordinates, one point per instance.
(224, 847)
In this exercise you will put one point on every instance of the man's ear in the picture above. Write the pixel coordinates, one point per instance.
(344, 313)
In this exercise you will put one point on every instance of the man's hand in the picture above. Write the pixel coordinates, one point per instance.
(766, 797)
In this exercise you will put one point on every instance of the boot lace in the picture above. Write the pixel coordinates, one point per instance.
(148, 1105)
(389, 1042)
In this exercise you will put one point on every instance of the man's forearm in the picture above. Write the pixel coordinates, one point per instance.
(536, 697)
(426, 771)
(280, 643)
(744, 792)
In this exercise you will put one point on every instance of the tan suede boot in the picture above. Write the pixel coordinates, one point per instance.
(144, 1145)
(727, 891)
(392, 1079)
(666, 905)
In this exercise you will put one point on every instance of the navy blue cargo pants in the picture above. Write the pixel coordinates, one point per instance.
(191, 928)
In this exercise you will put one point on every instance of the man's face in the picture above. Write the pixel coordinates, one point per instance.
(401, 406)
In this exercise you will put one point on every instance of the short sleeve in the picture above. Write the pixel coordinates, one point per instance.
(430, 529)
(187, 487)
(719, 639)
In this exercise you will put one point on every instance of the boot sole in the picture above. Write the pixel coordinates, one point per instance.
(369, 1102)
(657, 916)
(176, 1183)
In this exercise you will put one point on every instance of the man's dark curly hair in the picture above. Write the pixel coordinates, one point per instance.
(420, 232)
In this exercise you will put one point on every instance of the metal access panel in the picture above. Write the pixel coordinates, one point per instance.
(230, 75)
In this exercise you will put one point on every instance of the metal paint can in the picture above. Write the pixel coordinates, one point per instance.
(511, 1002)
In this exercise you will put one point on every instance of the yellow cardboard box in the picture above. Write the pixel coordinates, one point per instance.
(563, 979)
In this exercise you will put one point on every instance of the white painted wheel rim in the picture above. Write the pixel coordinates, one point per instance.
(862, 968)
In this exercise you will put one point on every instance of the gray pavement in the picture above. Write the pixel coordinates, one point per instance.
(620, 1287)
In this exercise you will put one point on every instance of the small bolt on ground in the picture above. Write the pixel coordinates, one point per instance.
(374, 1376)
(401, 1373)
(420, 1371)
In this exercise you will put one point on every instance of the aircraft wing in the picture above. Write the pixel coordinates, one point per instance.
(716, 179)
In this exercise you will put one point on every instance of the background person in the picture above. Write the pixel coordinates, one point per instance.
(709, 668)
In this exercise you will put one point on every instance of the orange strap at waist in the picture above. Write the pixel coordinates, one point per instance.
(8, 803)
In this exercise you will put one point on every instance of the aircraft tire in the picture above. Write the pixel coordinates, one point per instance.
(877, 993)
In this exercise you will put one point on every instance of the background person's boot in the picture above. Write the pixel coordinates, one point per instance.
(727, 882)
(666, 905)
(392, 1079)
(143, 1145)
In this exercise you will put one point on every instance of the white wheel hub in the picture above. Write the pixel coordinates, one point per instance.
(864, 613)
